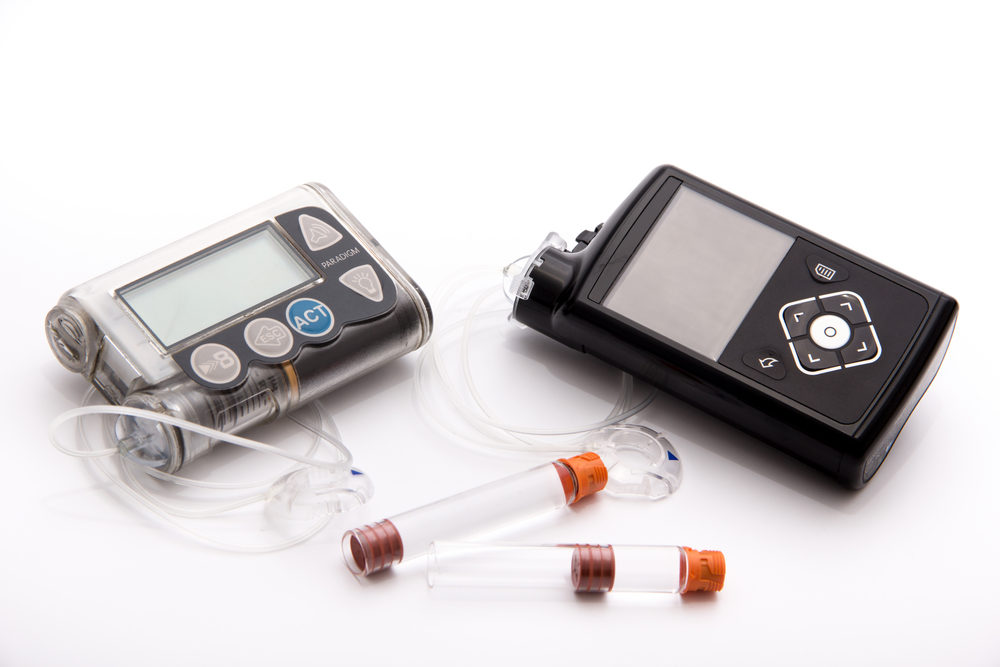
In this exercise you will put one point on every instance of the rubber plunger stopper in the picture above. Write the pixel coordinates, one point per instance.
(372, 548)
(590, 472)
(706, 570)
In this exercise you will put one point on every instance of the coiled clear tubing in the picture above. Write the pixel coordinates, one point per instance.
(305, 494)
(479, 423)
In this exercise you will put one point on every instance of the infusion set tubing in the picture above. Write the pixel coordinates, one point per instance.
(94, 332)
(559, 304)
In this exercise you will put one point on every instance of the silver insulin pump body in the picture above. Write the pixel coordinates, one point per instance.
(239, 323)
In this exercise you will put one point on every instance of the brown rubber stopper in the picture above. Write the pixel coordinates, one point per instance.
(593, 568)
(589, 472)
(372, 548)
(706, 570)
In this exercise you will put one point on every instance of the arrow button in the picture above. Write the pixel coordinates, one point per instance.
(814, 358)
(318, 234)
(796, 317)
(846, 304)
(863, 346)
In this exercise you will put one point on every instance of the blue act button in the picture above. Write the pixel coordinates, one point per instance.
(309, 317)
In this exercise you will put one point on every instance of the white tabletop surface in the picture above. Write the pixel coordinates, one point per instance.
(461, 134)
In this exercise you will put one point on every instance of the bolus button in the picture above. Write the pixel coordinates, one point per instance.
(215, 363)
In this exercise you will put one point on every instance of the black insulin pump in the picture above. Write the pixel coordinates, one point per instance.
(796, 340)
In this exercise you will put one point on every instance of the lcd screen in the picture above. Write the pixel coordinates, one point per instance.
(211, 287)
(697, 272)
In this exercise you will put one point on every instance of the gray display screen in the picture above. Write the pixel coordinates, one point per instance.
(697, 273)
(236, 276)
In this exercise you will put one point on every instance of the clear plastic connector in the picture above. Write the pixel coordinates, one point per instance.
(641, 462)
(314, 493)
(516, 283)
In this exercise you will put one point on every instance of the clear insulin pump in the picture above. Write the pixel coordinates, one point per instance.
(239, 323)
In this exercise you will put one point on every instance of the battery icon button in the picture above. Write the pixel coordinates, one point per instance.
(825, 271)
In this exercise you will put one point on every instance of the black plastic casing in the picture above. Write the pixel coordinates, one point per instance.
(843, 423)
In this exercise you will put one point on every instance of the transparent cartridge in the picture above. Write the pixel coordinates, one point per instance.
(582, 568)
(239, 323)
(550, 486)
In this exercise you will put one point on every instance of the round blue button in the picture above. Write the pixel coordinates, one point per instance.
(309, 317)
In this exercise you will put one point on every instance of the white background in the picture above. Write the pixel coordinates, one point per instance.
(460, 134)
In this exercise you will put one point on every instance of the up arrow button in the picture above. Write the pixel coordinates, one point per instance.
(317, 233)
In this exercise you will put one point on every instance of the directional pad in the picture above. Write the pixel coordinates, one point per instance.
(829, 332)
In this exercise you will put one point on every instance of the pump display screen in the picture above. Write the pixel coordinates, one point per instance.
(221, 282)
(697, 272)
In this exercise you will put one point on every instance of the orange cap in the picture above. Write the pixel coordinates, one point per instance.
(589, 472)
(706, 570)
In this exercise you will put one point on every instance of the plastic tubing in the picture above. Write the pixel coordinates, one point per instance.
(126, 477)
(583, 568)
(550, 486)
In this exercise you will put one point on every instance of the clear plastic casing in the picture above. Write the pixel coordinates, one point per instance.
(93, 333)
(548, 487)
(578, 567)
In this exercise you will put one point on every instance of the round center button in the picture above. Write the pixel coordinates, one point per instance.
(830, 332)
(309, 317)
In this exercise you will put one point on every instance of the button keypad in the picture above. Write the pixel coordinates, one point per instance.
(829, 332)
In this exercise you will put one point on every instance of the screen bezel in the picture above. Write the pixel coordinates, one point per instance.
(636, 219)
(210, 330)
(698, 271)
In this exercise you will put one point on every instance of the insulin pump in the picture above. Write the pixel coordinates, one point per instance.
(797, 340)
(239, 323)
